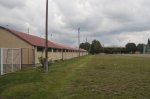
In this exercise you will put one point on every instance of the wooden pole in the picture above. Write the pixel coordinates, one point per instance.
(46, 39)
(79, 40)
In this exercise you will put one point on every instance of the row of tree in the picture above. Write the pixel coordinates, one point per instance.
(132, 48)
(93, 48)
(96, 48)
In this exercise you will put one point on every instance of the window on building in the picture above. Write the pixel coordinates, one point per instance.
(49, 49)
(40, 49)
(59, 50)
(55, 50)
(64, 50)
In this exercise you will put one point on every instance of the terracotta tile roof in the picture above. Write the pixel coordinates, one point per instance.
(40, 42)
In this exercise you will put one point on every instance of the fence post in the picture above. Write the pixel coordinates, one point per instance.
(12, 59)
(20, 57)
(1, 61)
(62, 54)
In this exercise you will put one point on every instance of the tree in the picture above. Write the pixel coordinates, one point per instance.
(123, 50)
(131, 47)
(140, 47)
(114, 50)
(85, 46)
(107, 50)
(148, 41)
(82, 45)
(95, 47)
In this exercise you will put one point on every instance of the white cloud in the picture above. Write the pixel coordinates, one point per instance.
(113, 22)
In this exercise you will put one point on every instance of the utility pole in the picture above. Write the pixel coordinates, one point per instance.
(86, 39)
(46, 39)
(28, 30)
(79, 40)
(51, 36)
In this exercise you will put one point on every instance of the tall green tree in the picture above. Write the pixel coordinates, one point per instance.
(140, 47)
(148, 41)
(85, 46)
(95, 47)
(131, 47)
(82, 45)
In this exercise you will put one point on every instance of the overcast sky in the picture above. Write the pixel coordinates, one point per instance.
(112, 22)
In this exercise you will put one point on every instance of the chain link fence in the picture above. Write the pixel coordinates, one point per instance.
(10, 60)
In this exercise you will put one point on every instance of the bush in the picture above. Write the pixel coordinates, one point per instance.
(42, 61)
(50, 62)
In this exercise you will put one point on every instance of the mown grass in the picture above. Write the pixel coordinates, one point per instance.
(90, 77)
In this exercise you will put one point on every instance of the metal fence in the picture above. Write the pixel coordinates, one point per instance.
(10, 60)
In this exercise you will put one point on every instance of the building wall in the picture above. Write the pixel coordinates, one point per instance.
(58, 55)
(30, 54)
(55, 55)
(8, 40)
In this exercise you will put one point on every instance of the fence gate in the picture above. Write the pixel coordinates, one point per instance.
(28, 56)
(10, 60)
(1, 69)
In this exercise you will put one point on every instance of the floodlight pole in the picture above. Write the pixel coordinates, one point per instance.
(46, 39)
(79, 40)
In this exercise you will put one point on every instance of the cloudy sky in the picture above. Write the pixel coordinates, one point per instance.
(112, 22)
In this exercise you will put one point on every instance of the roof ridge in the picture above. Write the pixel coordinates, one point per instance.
(35, 40)
(26, 33)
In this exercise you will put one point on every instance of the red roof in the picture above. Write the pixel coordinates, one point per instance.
(40, 42)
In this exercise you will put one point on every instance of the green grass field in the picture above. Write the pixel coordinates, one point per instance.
(90, 77)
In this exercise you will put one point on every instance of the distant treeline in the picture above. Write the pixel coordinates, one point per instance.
(96, 48)
(113, 50)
